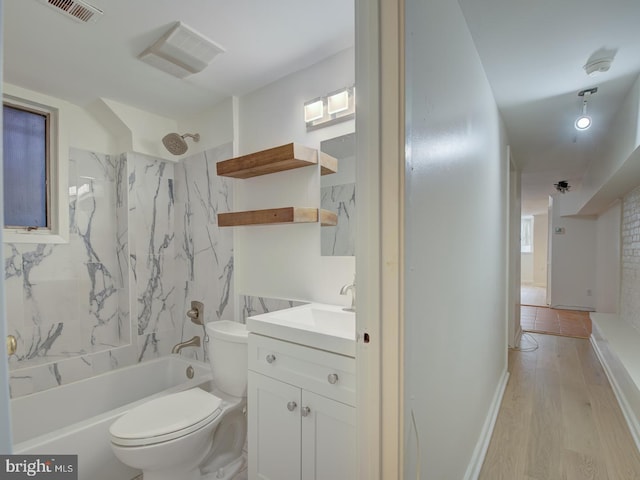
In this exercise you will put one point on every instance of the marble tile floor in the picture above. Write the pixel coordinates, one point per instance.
(568, 323)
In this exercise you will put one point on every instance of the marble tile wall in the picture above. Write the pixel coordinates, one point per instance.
(252, 305)
(341, 239)
(64, 301)
(204, 252)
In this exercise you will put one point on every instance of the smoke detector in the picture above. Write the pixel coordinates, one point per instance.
(77, 10)
(599, 65)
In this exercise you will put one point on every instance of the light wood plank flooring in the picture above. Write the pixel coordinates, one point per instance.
(559, 419)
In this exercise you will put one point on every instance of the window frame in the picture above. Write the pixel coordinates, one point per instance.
(57, 168)
(47, 162)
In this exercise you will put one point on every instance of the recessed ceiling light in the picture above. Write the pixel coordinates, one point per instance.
(583, 122)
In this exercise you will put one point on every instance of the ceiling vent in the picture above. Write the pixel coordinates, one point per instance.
(181, 51)
(76, 9)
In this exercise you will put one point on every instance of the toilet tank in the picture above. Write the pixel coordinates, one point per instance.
(228, 356)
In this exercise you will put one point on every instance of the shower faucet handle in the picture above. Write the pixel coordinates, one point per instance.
(196, 314)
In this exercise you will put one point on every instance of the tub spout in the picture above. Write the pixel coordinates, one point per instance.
(194, 342)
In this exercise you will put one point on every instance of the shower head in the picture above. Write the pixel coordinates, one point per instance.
(176, 143)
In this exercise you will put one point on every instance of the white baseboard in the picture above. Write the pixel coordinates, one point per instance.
(629, 415)
(479, 453)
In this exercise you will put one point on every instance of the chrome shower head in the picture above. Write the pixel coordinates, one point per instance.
(176, 143)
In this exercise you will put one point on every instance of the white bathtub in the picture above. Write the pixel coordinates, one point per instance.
(75, 418)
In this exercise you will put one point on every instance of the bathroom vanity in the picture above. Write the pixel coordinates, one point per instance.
(301, 394)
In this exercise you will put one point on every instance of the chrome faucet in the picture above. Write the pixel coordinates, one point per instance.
(194, 342)
(350, 288)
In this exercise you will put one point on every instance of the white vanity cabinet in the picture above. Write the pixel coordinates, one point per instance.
(301, 412)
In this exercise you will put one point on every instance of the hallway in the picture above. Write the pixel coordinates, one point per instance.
(559, 418)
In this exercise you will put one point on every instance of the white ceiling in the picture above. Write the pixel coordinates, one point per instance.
(533, 53)
(264, 41)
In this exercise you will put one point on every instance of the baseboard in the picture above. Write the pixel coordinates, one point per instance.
(573, 307)
(629, 415)
(517, 338)
(479, 453)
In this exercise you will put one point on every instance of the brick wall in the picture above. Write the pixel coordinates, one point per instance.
(630, 287)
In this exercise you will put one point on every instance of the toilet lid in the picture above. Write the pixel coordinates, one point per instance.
(166, 418)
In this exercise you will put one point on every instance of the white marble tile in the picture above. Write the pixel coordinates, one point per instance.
(155, 294)
(252, 305)
(339, 240)
(14, 293)
(20, 384)
(51, 320)
(153, 215)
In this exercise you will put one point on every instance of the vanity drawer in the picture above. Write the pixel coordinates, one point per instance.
(325, 373)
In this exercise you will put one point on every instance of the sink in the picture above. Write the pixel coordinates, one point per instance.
(317, 325)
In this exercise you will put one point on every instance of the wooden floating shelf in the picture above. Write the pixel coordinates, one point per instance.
(275, 216)
(277, 159)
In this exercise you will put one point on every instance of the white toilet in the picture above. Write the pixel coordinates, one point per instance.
(194, 434)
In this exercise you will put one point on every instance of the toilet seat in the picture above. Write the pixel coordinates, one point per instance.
(166, 418)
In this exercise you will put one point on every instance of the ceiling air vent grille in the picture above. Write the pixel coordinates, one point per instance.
(76, 9)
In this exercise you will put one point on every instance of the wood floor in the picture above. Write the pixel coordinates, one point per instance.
(559, 419)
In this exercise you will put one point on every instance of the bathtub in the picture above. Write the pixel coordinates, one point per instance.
(75, 418)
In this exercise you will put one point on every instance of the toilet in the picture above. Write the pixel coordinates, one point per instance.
(193, 434)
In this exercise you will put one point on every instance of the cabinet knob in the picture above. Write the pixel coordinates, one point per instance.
(333, 378)
(306, 411)
(271, 358)
(291, 406)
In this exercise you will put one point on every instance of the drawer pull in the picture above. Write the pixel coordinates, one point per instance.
(291, 406)
(333, 378)
(306, 411)
(271, 358)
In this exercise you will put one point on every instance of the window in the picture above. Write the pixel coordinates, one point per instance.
(526, 235)
(26, 167)
(35, 173)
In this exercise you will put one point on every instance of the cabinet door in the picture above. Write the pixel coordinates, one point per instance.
(328, 439)
(274, 429)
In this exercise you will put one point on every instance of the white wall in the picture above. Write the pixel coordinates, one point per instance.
(456, 244)
(526, 268)
(283, 261)
(573, 260)
(215, 126)
(540, 239)
(608, 260)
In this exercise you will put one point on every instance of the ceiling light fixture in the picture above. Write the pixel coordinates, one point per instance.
(313, 110)
(584, 121)
(330, 109)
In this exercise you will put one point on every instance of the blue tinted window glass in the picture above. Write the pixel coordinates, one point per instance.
(25, 168)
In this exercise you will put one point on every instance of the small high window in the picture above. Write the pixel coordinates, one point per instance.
(35, 168)
(27, 198)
